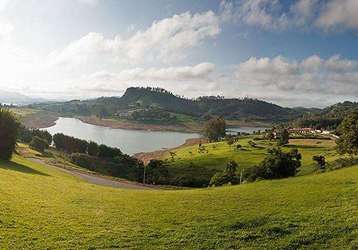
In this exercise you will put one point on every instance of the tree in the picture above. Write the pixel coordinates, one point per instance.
(283, 137)
(43, 134)
(215, 129)
(348, 134)
(39, 144)
(231, 168)
(228, 176)
(276, 165)
(230, 140)
(8, 133)
(320, 160)
(108, 152)
(156, 172)
(92, 149)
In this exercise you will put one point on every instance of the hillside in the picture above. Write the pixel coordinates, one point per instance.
(327, 118)
(158, 105)
(50, 209)
(191, 167)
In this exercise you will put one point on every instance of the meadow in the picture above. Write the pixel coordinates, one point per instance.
(188, 162)
(41, 207)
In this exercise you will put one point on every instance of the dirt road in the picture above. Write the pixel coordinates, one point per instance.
(97, 179)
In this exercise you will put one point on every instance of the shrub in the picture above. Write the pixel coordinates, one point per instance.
(321, 161)
(156, 172)
(93, 149)
(276, 165)
(228, 176)
(39, 144)
(108, 152)
(8, 134)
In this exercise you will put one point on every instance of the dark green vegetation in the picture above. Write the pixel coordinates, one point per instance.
(276, 165)
(215, 129)
(195, 165)
(348, 131)
(327, 118)
(155, 105)
(8, 134)
(39, 144)
(99, 158)
(43, 208)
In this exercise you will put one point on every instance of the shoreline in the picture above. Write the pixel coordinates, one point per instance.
(147, 156)
(116, 124)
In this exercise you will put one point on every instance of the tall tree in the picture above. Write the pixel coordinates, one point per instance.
(215, 129)
(8, 134)
(348, 134)
(283, 137)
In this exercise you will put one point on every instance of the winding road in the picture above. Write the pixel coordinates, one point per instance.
(96, 178)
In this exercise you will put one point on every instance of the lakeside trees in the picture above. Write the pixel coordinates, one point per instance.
(215, 129)
(8, 133)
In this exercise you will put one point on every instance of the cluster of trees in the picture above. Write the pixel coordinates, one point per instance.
(37, 139)
(153, 114)
(70, 144)
(276, 165)
(9, 127)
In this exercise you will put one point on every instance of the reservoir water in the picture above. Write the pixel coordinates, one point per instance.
(129, 141)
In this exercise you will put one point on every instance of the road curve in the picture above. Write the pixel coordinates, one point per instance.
(97, 179)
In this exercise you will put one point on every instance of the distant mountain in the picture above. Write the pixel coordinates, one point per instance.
(17, 99)
(156, 104)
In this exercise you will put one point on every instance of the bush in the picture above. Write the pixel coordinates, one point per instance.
(92, 149)
(276, 165)
(228, 176)
(70, 144)
(39, 144)
(124, 167)
(156, 172)
(108, 152)
(8, 134)
(321, 161)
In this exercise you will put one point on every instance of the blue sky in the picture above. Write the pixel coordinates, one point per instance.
(291, 52)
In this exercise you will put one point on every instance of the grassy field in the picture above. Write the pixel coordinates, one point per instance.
(43, 208)
(188, 161)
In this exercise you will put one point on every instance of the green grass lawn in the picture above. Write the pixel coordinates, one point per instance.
(189, 162)
(43, 208)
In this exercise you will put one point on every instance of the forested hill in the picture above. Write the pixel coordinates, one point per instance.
(327, 118)
(141, 103)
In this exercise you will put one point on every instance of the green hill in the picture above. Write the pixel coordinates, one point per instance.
(327, 118)
(43, 208)
(152, 104)
(191, 167)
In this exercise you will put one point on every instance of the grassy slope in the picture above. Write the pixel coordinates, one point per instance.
(205, 165)
(41, 207)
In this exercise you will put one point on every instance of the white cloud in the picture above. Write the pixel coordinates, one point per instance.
(266, 14)
(339, 13)
(164, 41)
(274, 15)
(6, 28)
(312, 76)
(91, 3)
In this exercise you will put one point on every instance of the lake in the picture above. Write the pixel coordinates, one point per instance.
(129, 141)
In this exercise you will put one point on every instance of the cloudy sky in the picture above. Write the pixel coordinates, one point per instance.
(294, 53)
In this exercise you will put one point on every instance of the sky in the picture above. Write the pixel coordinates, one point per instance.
(289, 52)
